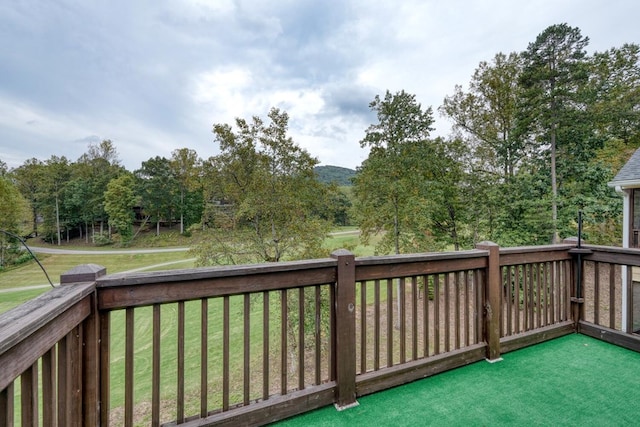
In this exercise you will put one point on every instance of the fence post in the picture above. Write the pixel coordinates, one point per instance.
(345, 339)
(493, 289)
(577, 294)
(89, 392)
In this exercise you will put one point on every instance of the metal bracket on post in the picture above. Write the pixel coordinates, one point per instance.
(577, 299)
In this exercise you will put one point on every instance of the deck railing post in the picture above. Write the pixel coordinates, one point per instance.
(89, 392)
(492, 309)
(345, 339)
(577, 293)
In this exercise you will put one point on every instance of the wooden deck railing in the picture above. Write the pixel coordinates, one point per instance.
(609, 310)
(254, 344)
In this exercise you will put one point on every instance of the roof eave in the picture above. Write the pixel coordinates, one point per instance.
(627, 183)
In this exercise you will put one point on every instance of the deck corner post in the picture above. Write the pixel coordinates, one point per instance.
(83, 273)
(493, 285)
(90, 345)
(345, 337)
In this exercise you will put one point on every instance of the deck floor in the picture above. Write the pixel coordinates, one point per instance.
(570, 381)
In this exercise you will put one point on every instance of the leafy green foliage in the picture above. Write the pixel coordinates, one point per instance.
(119, 200)
(388, 187)
(13, 217)
(264, 198)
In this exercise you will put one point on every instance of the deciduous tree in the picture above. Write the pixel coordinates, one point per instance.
(388, 185)
(263, 194)
(119, 201)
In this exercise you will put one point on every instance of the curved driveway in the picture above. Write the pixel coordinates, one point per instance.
(39, 249)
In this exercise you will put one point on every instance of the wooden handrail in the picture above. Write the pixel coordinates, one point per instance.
(490, 300)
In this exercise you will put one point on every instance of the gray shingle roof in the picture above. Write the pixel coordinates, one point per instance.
(629, 175)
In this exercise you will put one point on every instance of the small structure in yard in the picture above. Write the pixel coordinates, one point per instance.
(627, 183)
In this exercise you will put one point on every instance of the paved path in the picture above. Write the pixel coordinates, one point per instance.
(43, 250)
(49, 250)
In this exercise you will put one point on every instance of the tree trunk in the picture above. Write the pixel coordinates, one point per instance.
(58, 220)
(554, 188)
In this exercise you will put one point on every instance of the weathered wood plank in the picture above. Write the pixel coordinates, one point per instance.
(49, 395)
(246, 348)
(204, 274)
(375, 381)
(363, 326)
(408, 266)
(414, 318)
(265, 345)
(536, 336)
(6, 406)
(284, 315)
(128, 366)
(345, 328)
(64, 381)
(75, 356)
(22, 321)
(29, 348)
(155, 366)
(534, 254)
(318, 335)
(613, 255)
(272, 410)
(105, 361)
(301, 344)
(376, 325)
(91, 365)
(164, 288)
(493, 307)
(181, 361)
(204, 355)
(612, 336)
(225, 352)
(29, 396)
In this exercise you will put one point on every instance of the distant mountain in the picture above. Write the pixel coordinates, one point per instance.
(337, 174)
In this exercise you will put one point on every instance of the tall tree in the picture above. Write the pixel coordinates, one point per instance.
(555, 72)
(185, 165)
(57, 172)
(14, 214)
(96, 168)
(487, 113)
(264, 195)
(30, 181)
(157, 188)
(388, 182)
(615, 85)
(119, 201)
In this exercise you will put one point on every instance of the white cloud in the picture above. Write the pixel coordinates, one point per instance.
(155, 76)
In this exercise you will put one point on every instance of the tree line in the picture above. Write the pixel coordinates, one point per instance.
(536, 137)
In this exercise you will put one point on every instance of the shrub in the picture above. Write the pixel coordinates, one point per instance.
(102, 239)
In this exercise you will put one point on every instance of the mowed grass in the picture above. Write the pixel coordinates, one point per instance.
(31, 275)
(143, 339)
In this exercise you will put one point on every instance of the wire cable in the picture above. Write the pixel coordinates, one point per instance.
(29, 250)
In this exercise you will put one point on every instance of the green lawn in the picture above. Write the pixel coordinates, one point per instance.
(30, 274)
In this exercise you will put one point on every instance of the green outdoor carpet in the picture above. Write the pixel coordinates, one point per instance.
(570, 381)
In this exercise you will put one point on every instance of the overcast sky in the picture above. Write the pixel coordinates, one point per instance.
(154, 76)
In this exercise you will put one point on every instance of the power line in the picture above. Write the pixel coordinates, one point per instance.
(29, 250)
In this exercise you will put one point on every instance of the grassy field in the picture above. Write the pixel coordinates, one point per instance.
(28, 281)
